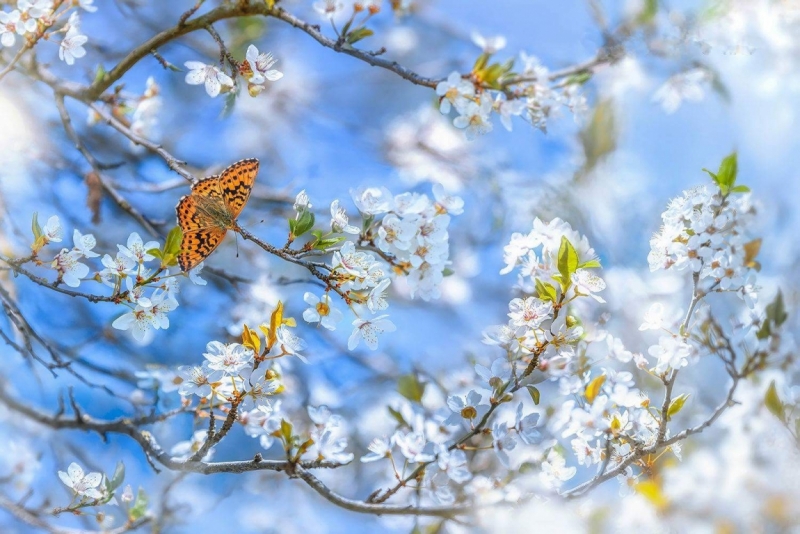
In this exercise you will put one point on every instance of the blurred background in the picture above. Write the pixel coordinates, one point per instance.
(333, 123)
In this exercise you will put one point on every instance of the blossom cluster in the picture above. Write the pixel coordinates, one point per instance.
(31, 19)
(232, 375)
(531, 98)
(150, 292)
(704, 231)
(409, 232)
(430, 438)
(491, 88)
(256, 69)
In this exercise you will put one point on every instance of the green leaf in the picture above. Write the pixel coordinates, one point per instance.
(37, 229)
(676, 405)
(579, 78)
(139, 506)
(172, 246)
(774, 403)
(303, 224)
(156, 252)
(712, 175)
(726, 175)
(230, 103)
(480, 63)
(447, 271)
(648, 12)
(356, 35)
(535, 395)
(546, 291)
(765, 331)
(100, 73)
(590, 264)
(397, 416)
(567, 261)
(599, 136)
(740, 189)
(117, 479)
(323, 244)
(776, 310)
(410, 387)
(286, 431)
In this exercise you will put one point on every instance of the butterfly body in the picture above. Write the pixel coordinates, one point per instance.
(210, 210)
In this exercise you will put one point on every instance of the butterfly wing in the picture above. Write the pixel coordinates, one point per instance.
(190, 216)
(208, 187)
(236, 182)
(197, 245)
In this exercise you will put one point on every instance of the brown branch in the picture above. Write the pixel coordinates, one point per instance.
(174, 163)
(130, 427)
(98, 168)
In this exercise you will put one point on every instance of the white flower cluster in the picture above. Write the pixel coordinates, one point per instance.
(430, 438)
(125, 273)
(704, 232)
(229, 371)
(610, 407)
(414, 230)
(533, 98)
(32, 18)
(256, 68)
(410, 233)
(533, 326)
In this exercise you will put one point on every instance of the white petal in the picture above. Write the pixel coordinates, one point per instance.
(212, 86)
(195, 77)
(75, 471)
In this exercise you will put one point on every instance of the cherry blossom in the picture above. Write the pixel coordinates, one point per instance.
(368, 330)
(213, 78)
(84, 485)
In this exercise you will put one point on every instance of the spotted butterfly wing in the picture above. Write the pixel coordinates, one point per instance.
(236, 183)
(197, 245)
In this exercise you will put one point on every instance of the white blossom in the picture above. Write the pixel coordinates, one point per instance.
(213, 78)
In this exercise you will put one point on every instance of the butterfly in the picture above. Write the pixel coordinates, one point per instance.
(210, 210)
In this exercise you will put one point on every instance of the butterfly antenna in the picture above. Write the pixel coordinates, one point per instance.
(236, 234)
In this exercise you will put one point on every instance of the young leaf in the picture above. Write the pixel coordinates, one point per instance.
(173, 243)
(356, 35)
(567, 261)
(593, 388)
(776, 310)
(37, 229)
(251, 340)
(410, 387)
(726, 175)
(774, 403)
(117, 478)
(535, 394)
(590, 264)
(546, 291)
(286, 432)
(397, 416)
(303, 224)
(676, 405)
(139, 506)
(751, 250)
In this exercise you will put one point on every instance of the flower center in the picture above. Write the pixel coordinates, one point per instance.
(323, 309)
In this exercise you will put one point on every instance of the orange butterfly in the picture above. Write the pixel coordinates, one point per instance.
(210, 210)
